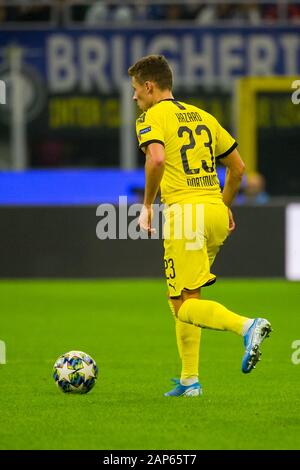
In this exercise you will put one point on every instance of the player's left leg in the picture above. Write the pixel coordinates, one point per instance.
(187, 336)
(188, 342)
(185, 267)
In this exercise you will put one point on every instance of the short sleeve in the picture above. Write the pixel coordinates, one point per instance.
(225, 143)
(149, 128)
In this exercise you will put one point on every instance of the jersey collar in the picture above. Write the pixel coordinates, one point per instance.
(167, 99)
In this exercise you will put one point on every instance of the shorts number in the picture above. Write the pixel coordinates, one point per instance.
(169, 268)
(191, 145)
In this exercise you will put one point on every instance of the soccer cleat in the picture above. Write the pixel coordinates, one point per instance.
(258, 331)
(193, 390)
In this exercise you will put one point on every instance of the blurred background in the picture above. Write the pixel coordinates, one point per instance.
(67, 132)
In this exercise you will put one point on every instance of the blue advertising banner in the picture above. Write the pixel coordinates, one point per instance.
(71, 80)
(93, 60)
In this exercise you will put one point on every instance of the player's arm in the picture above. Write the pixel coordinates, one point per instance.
(154, 170)
(234, 174)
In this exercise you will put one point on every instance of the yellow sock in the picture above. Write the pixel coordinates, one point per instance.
(210, 314)
(188, 343)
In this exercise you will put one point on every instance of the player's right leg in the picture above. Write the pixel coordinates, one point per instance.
(257, 332)
(210, 314)
(188, 270)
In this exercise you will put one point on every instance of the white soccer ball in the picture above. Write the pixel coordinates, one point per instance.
(75, 372)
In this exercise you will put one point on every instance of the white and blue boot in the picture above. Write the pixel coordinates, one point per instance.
(193, 390)
(258, 331)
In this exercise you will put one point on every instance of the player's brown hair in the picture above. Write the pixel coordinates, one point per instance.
(154, 68)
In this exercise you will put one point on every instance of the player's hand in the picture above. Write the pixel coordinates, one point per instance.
(145, 219)
(231, 221)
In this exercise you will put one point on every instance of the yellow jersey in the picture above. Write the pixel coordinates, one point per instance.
(193, 141)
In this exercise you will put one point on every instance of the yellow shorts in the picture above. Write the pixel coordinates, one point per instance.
(193, 235)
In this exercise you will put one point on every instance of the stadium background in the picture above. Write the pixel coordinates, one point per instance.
(71, 147)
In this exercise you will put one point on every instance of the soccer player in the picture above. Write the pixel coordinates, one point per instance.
(182, 144)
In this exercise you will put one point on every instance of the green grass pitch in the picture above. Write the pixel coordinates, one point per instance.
(128, 329)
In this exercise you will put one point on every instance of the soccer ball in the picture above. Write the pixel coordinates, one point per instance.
(75, 372)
